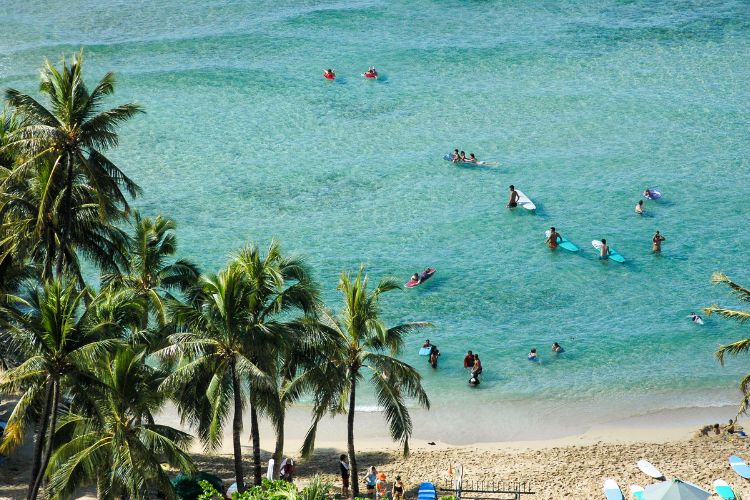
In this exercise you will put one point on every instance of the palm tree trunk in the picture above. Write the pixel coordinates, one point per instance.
(236, 430)
(50, 440)
(255, 433)
(350, 436)
(278, 453)
(41, 432)
(67, 215)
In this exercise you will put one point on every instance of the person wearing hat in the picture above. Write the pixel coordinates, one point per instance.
(398, 489)
(380, 485)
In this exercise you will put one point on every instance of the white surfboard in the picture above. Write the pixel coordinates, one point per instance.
(636, 491)
(611, 490)
(524, 201)
(647, 468)
(723, 489)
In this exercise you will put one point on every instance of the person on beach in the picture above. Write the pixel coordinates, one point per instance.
(557, 348)
(532, 355)
(469, 360)
(344, 470)
(370, 479)
(286, 471)
(656, 240)
(717, 429)
(380, 486)
(397, 493)
(472, 158)
(456, 156)
(604, 250)
(639, 207)
(552, 239)
(513, 200)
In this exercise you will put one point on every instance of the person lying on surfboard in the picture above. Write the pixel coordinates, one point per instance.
(648, 193)
(416, 278)
(552, 239)
(456, 157)
(472, 158)
(513, 200)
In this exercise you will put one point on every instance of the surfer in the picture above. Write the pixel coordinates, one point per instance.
(656, 240)
(695, 318)
(553, 238)
(557, 348)
(639, 207)
(463, 157)
(469, 360)
(532, 355)
(604, 250)
(513, 200)
(456, 157)
(472, 158)
(416, 278)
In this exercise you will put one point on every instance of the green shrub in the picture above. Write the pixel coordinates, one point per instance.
(273, 490)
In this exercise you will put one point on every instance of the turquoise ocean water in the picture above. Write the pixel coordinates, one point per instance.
(583, 103)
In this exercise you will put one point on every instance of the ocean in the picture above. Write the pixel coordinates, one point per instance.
(584, 104)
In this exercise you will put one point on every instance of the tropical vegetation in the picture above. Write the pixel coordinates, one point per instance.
(741, 346)
(102, 323)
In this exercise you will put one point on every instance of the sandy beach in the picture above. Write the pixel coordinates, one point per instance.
(573, 466)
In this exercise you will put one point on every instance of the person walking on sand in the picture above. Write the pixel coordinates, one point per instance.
(370, 479)
(380, 486)
(344, 470)
(656, 240)
(639, 207)
(397, 492)
(513, 200)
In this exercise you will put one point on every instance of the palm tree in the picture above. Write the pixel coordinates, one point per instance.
(367, 346)
(59, 342)
(211, 349)
(152, 276)
(70, 136)
(740, 346)
(109, 444)
(279, 285)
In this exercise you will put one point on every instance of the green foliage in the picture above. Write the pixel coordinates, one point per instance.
(449, 497)
(318, 489)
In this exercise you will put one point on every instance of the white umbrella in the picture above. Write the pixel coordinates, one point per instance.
(675, 490)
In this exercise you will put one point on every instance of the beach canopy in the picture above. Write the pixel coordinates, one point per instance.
(675, 490)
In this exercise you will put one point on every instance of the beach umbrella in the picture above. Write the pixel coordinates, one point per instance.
(675, 490)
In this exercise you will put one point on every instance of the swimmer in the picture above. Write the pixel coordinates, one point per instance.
(553, 238)
(456, 157)
(557, 348)
(532, 355)
(604, 250)
(328, 73)
(648, 193)
(513, 200)
(656, 240)
(639, 207)
(695, 318)
(426, 344)
(463, 157)
(472, 158)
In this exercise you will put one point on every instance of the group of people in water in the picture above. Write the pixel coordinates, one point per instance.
(460, 157)
(330, 74)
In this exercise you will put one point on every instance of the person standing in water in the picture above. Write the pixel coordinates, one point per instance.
(552, 239)
(469, 360)
(604, 250)
(513, 200)
(639, 207)
(656, 240)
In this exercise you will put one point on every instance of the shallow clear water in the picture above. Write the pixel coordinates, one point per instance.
(583, 103)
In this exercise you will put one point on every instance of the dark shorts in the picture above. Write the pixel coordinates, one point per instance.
(370, 487)
(345, 480)
(513, 205)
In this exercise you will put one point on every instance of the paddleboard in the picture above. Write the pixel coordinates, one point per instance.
(723, 489)
(563, 243)
(524, 201)
(425, 275)
(611, 490)
(613, 255)
(647, 468)
(449, 157)
(739, 466)
(636, 491)
(425, 351)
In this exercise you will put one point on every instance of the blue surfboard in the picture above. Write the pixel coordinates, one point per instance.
(739, 466)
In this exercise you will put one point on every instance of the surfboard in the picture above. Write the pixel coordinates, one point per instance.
(739, 466)
(636, 491)
(647, 468)
(563, 243)
(723, 489)
(524, 201)
(613, 255)
(425, 351)
(611, 490)
(424, 275)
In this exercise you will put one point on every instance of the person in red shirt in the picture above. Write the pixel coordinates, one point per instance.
(469, 360)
